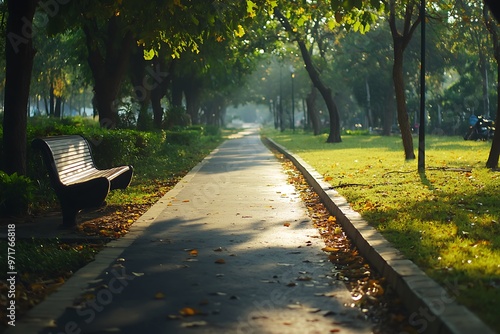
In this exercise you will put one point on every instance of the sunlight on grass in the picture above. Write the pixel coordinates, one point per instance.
(446, 221)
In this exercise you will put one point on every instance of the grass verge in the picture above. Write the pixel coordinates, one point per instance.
(446, 220)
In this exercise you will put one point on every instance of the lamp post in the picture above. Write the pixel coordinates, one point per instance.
(421, 128)
(292, 71)
(280, 103)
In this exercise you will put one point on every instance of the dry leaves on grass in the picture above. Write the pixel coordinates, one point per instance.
(113, 221)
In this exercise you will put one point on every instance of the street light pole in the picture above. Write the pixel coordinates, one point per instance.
(280, 100)
(292, 71)
(421, 128)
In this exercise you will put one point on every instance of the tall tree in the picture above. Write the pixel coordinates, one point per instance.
(493, 28)
(19, 54)
(108, 56)
(325, 91)
(401, 39)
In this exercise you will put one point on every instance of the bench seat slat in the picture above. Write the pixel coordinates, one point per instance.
(61, 163)
(92, 174)
(67, 167)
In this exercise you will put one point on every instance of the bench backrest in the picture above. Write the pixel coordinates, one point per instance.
(66, 156)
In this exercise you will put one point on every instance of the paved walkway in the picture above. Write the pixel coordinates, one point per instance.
(229, 250)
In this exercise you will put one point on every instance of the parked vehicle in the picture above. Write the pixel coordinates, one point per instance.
(480, 128)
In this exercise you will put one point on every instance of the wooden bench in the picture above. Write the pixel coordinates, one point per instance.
(76, 180)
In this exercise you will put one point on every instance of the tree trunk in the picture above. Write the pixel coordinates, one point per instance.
(401, 41)
(19, 54)
(138, 77)
(52, 100)
(192, 93)
(485, 84)
(492, 161)
(388, 114)
(141, 87)
(312, 110)
(158, 111)
(159, 91)
(177, 92)
(403, 120)
(493, 157)
(369, 113)
(46, 104)
(57, 107)
(109, 69)
(326, 93)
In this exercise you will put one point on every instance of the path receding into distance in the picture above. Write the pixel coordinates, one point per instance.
(231, 243)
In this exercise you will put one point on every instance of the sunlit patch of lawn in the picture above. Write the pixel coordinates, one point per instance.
(446, 220)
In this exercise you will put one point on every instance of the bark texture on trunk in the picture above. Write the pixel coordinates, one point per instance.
(19, 54)
(108, 69)
(312, 111)
(493, 157)
(401, 41)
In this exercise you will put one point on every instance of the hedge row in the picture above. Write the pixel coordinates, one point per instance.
(110, 147)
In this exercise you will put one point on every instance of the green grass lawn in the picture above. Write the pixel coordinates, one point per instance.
(446, 220)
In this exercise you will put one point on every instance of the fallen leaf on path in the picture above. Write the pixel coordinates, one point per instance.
(37, 287)
(193, 252)
(284, 264)
(267, 281)
(313, 310)
(329, 249)
(188, 311)
(174, 317)
(220, 261)
(304, 278)
(218, 293)
(159, 295)
(286, 224)
(194, 324)
(294, 306)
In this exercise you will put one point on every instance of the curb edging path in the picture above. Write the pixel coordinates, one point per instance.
(433, 309)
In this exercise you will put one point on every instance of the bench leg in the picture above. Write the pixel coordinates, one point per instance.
(69, 217)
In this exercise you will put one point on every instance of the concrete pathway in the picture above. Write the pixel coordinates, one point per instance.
(229, 250)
